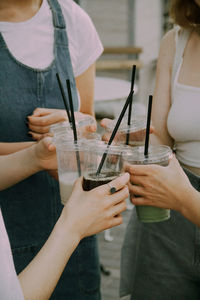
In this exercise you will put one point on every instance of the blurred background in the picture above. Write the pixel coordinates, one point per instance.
(131, 31)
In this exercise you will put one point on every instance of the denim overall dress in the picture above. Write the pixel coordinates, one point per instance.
(32, 207)
(161, 261)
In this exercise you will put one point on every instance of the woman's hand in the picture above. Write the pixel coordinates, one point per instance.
(45, 154)
(158, 186)
(42, 118)
(87, 213)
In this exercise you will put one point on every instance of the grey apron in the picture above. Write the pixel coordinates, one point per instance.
(161, 261)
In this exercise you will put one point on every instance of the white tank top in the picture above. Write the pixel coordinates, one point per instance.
(184, 115)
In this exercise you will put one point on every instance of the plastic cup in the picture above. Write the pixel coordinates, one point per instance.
(68, 171)
(81, 126)
(67, 154)
(158, 155)
(136, 131)
(111, 169)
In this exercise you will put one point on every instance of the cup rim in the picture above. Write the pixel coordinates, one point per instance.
(137, 123)
(157, 153)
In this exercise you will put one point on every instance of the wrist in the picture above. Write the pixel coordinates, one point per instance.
(67, 230)
(189, 196)
(32, 159)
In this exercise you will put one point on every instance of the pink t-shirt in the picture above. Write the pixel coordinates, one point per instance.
(9, 285)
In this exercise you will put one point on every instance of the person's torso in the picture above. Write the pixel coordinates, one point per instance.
(184, 115)
(32, 207)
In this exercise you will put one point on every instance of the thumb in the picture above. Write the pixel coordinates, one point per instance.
(48, 143)
(173, 162)
(38, 112)
(104, 122)
(77, 187)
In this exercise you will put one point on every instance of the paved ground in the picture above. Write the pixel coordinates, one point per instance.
(110, 258)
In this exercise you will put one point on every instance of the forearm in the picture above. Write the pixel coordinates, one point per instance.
(191, 206)
(7, 148)
(40, 277)
(85, 85)
(16, 167)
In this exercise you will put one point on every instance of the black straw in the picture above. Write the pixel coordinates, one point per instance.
(131, 102)
(63, 97)
(146, 147)
(73, 124)
(115, 131)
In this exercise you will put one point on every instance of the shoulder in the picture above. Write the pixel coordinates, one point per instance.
(167, 48)
(74, 15)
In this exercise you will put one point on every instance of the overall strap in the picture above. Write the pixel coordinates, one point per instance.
(181, 38)
(58, 19)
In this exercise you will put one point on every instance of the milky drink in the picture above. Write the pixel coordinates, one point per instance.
(66, 182)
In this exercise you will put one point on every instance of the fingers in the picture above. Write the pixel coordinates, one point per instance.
(104, 122)
(173, 161)
(117, 197)
(117, 183)
(39, 129)
(37, 136)
(152, 130)
(140, 170)
(117, 209)
(115, 221)
(48, 142)
(39, 111)
(136, 190)
(91, 128)
(138, 180)
(39, 121)
(139, 201)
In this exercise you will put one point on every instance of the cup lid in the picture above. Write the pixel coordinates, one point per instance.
(101, 147)
(156, 154)
(137, 123)
(60, 127)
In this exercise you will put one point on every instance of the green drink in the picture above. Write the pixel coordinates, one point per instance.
(158, 155)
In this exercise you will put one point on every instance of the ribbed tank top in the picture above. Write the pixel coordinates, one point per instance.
(184, 115)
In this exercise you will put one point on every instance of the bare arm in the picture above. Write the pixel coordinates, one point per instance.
(7, 148)
(162, 94)
(85, 85)
(86, 213)
(18, 166)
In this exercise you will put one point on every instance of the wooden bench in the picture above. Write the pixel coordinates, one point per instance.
(120, 63)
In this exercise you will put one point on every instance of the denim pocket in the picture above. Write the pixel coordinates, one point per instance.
(88, 266)
(22, 256)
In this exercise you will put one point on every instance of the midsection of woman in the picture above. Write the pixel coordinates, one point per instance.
(184, 115)
(32, 207)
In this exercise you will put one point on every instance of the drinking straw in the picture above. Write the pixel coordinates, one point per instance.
(146, 147)
(114, 131)
(73, 123)
(64, 97)
(131, 102)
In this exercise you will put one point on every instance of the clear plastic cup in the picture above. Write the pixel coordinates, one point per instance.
(70, 157)
(158, 155)
(111, 169)
(81, 126)
(136, 130)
